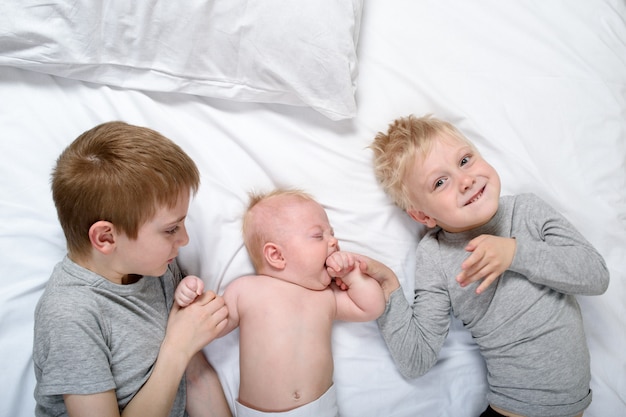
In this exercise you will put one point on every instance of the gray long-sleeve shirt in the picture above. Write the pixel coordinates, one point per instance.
(527, 324)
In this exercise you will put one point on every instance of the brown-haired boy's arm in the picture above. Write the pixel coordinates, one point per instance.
(102, 404)
(188, 330)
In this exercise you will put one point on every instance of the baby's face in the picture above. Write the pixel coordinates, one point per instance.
(309, 240)
(453, 187)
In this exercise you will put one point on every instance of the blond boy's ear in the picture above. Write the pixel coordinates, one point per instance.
(274, 256)
(421, 217)
(102, 236)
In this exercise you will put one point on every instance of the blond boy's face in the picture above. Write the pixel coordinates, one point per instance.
(453, 187)
(157, 242)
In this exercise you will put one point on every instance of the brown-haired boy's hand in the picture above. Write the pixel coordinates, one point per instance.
(489, 257)
(188, 330)
(195, 326)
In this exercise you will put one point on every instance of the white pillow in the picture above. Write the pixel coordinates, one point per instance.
(274, 51)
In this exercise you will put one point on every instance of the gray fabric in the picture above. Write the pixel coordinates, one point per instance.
(527, 324)
(92, 335)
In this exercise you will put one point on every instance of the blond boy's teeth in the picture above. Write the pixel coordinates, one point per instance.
(476, 197)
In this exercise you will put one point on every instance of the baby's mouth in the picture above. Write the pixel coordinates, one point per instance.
(476, 196)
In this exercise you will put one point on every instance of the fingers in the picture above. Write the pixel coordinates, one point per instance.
(206, 298)
(212, 304)
(200, 288)
(474, 268)
(374, 269)
(339, 264)
(486, 283)
(474, 243)
(342, 285)
(490, 257)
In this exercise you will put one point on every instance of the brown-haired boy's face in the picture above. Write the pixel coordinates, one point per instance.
(453, 187)
(157, 242)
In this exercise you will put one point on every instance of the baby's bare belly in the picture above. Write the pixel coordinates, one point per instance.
(287, 381)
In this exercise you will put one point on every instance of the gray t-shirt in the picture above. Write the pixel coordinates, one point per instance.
(527, 324)
(92, 335)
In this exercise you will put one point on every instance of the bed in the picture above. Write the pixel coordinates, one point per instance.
(290, 94)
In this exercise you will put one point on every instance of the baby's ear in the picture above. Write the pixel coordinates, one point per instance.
(421, 217)
(274, 256)
(102, 236)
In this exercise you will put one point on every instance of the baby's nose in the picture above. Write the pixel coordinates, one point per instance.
(333, 243)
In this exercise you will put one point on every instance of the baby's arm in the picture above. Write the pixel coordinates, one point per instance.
(188, 289)
(231, 299)
(489, 257)
(339, 264)
(363, 300)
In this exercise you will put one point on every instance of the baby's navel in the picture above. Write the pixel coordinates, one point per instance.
(297, 395)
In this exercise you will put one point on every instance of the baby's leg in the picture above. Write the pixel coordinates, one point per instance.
(205, 396)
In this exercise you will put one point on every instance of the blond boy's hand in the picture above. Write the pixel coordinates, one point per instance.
(489, 257)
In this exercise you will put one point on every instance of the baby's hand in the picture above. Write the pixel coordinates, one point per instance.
(339, 264)
(490, 257)
(188, 289)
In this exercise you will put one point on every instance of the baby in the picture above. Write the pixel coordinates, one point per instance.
(285, 312)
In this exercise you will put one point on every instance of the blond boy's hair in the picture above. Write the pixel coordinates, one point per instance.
(395, 151)
(119, 173)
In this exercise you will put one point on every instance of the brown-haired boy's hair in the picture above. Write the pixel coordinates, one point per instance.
(261, 226)
(395, 151)
(119, 173)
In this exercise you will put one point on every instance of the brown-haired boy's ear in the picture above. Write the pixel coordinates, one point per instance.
(421, 217)
(273, 256)
(102, 237)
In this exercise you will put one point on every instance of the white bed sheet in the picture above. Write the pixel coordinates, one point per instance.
(541, 89)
